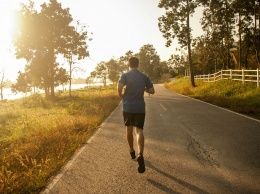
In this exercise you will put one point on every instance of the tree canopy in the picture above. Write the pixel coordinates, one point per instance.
(176, 23)
(41, 37)
(230, 40)
(231, 36)
(149, 63)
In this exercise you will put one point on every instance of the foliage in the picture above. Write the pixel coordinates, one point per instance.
(43, 35)
(219, 20)
(231, 36)
(176, 23)
(149, 61)
(242, 98)
(114, 69)
(22, 84)
(101, 72)
(178, 64)
(76, 47)
(111, 69)
(123, 61)
(37, 136)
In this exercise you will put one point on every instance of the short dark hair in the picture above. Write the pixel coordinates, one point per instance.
(133, 62)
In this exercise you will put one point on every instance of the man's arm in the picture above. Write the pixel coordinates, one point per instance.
(150, 90)
(120, 87)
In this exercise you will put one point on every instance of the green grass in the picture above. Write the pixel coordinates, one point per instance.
(233, 95)
(37, 136)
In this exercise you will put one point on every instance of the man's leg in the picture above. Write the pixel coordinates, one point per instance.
(130, 137)
(140, 140)
(140, 143)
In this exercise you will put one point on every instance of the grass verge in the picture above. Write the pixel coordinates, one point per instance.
(235, 96)
(38, 136)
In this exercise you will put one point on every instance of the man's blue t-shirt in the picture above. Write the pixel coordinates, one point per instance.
(133, 98)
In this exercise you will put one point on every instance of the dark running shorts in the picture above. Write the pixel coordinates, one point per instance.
(134, 119)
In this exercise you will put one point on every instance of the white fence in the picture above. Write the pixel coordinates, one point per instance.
(238, 75)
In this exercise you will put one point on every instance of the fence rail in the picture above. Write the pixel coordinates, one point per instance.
(237, 75)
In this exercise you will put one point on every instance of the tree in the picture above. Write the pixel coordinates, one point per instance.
(101, 72)
(207, 54)
(22, 83)
(114, 69)
(178, 63)
(149, 60)
(219, 22)
(123, 61)
(163, 72)
(76, 47)
(61, 76)
(48, 31)
(37, 75)
(2, 84)
(255, 5)
(231, 36)
(111, 69)
(176, 23)
(242, 9)
(247, 45)
(89, 80)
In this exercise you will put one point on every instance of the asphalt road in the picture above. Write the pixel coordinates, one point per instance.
(190, 147)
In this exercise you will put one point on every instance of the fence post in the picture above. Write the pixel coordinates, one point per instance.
(257, 75)
(231, 74)
(208, 77)
(243, 76)
(221, 74)
(214, 77)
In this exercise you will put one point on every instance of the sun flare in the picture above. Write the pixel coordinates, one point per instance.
(7, 26)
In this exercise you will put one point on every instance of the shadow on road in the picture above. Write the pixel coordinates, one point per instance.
(179, 181)
(162, 187)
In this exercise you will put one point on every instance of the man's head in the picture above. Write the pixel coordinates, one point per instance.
(133, 62)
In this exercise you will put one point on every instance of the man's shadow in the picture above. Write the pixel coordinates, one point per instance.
(179, 181)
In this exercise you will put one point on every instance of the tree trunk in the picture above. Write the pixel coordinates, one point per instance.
(46, 92)
(239, 31)
(246, 58)
(228, 35)
(189, 46)
(255, 40)
(52, 65)
(2, 85)
(105, 81)
(258, 48)
(2, 96)
(70, 63)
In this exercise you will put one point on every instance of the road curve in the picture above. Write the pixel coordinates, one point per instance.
(190, 147)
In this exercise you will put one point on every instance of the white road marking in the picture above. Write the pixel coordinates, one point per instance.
(163, 107)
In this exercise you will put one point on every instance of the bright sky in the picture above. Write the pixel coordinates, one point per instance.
(117, 25)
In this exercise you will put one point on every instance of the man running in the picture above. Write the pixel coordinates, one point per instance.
(135, 84)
